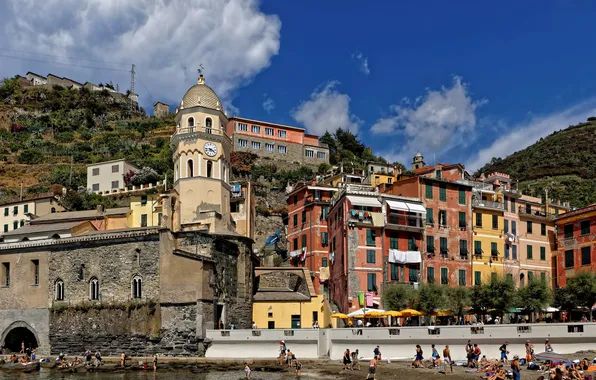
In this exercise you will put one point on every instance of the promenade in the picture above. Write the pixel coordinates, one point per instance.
(399, 342)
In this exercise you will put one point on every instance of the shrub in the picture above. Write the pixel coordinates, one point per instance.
(64, 137)
(31, 156)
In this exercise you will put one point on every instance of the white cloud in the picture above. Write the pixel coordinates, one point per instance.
(435, 123)
(524, 134)
(269, 105)
(327, 109)
(167, 40)
(362, 62)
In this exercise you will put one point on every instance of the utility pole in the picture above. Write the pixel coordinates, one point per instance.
(70, 175)
(132, 86)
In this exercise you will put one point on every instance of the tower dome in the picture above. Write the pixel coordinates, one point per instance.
(201, 95)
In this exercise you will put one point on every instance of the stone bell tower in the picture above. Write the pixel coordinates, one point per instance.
(418, 161)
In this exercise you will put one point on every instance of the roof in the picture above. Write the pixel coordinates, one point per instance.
(26, 200)
(433, 167)
(79, 215)
(267, 123)
(277, 294)
(201, 95)
(31, 72)
(50, 227)
(112, 161)
(156, 103)
(579, 211)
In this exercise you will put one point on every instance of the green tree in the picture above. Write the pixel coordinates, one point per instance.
(398, 296)
(431, 297)
(502, 295)
(583, 286)
(481, 299)
(457, 299)
(84, 200)
(535, 296)
(564, 299)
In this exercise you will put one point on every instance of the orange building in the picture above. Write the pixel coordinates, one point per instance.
(308, 237)
(374, 239)
(448, 238)
(276, 141)
(576, 232)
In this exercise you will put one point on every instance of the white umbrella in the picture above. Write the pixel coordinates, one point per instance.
(361, 312)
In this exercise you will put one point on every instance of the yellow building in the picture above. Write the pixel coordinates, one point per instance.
(145, 211)
(487, 211)
(286, 299)
(381, 173)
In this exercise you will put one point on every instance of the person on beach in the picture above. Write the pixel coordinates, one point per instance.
(447, 358)
(154, 362)
(372, 368)
(247, 370)
(504, 352)
(499, 373)
(418, 358)
(289, 358)
(436, 358)
(355, 360)
(282, 353)
(298, 367)
(377, 353)
(547, 346)
(347, 360)
(516, 368)
(123, 360)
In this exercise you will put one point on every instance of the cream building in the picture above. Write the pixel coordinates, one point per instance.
(108, 176)
(14, 215)
(200, 199)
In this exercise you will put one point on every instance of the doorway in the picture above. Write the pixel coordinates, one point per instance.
(19, 337)
(295, 321)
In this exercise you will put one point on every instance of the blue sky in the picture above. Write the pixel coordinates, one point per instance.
(460, 81)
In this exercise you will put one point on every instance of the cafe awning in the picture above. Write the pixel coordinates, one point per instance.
(416, 208)
(363, 201)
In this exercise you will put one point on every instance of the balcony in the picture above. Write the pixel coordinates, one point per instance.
(366, 218)
(186, 132)
(238, 196)
(534, 213)
(489, 205)
(406, 222)
(478, 253)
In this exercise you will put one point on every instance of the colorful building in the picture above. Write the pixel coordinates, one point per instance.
(14, 215)
(381, 173)
(286, 300)
(576, 242)
(277, 142)
(145, 210)
(447, 242)
(308, 237)
(374, 239)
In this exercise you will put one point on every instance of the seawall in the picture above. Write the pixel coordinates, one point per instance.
(400, 342)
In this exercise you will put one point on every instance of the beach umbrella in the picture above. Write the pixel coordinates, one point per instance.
(551, 356)
(442, 313)
(392, 313)
(410, 313)
(373, 314)
(339, 315)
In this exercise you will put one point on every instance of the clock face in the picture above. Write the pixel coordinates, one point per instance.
(210, 149)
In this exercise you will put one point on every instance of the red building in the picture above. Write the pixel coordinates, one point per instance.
(448, 238)
(576, 243)
(308, 238)
(374, 239)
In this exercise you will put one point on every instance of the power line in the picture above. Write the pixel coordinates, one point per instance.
(60, 56)
(147, 91)
(63, 63)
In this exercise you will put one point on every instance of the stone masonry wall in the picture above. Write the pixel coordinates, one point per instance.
(114, 265)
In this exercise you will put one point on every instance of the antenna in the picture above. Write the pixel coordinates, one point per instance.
(132, 85)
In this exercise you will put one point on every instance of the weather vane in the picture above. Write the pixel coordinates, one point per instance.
(200, 69)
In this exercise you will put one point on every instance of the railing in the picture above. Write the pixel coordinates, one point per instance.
(477, 185)
(488, 204)
(238, 195)
(130, 189)
(406, 220)
(536, 213)
(199, 129)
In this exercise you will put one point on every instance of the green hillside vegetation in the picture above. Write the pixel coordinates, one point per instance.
(563, 162)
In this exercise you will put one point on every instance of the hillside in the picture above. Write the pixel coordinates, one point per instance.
(563, 162)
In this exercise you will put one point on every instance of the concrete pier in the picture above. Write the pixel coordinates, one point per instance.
(400, 342)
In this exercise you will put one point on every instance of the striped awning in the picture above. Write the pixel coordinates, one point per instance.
(406, 206)
(364, 201)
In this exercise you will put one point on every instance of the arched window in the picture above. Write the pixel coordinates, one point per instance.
(22, 223)
(94, 289)
(59, 290)
(209, 168)
(208, 125)
(55, 236)
(53, 210)
(191, 122)
(521, 280)
(137, 287)
(190, 169)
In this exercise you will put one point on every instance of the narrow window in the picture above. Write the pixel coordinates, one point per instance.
(495, 222)
(370, 256)
(430, 275)
(584, 226)
(429, 191)
(444, 276)
(530, 253)
(462, 277)
(59, 290)
(529, 227)
(478, 219)
(543, 253)
(442, 193)
(143, 220)
(209, 169)
(208, 125)
(190, 169)
(372, 282)
(586, 258)
(6, 267)
(137, 284)
(94, 289)
(569, 262)
(35, 264)
(462, 197)
(191, 122)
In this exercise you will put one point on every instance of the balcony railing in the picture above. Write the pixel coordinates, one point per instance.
(200, 129)
(536, 213)
(406, 220)
(481, 203)
(238, 195)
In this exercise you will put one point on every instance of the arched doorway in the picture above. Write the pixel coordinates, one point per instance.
(18, 335)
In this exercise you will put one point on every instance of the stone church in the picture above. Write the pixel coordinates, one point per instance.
(139, 290)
